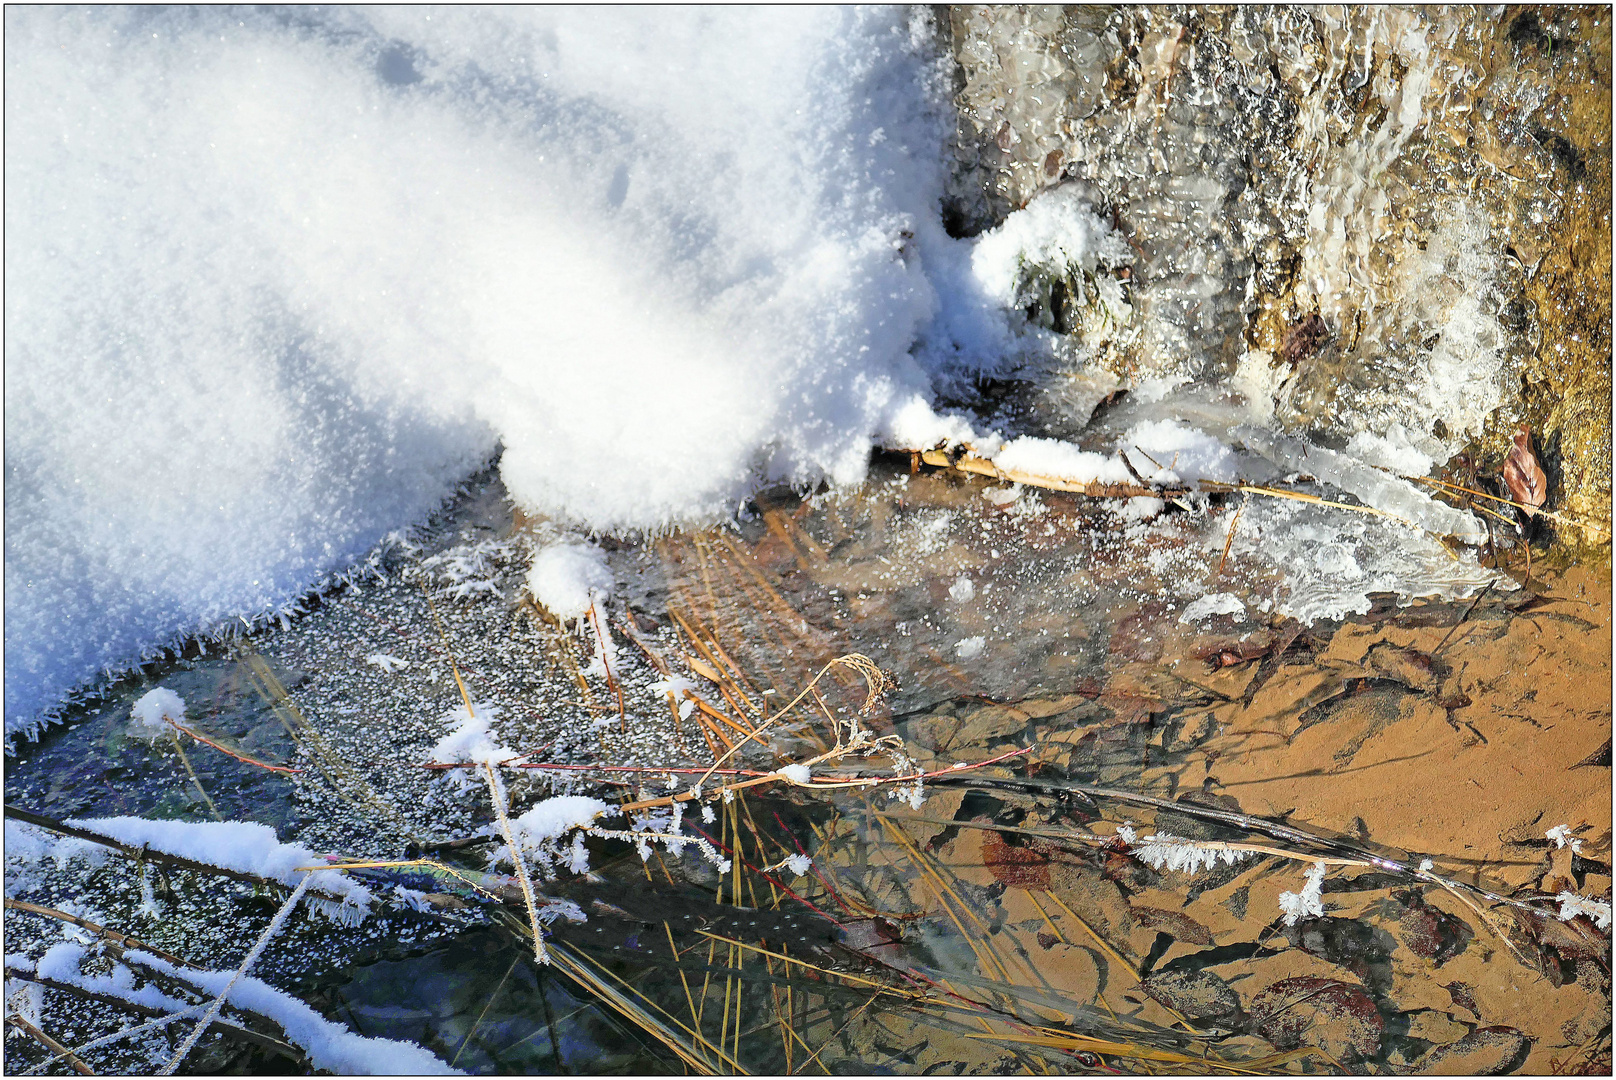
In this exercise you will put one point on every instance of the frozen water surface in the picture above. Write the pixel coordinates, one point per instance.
(428, 394)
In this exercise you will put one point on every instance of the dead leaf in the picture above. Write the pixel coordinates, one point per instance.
(1523, 476)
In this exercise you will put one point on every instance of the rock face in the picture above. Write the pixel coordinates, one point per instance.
(1388, 225)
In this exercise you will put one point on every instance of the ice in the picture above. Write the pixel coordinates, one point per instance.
(1215, 604)
(1375, 487)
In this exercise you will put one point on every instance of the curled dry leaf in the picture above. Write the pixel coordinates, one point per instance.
(1523, 475)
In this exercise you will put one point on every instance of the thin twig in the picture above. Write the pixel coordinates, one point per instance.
(51, 1044)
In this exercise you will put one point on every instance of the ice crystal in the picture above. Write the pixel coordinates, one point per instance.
(1572, 905)
(1164, 851)
(1308, 903)
(1561, 835)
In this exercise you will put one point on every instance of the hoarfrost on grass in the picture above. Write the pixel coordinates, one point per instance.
(1561, 835)
(1572, 905)
(473, 739)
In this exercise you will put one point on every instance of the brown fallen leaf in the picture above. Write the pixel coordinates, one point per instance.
(1523, 476)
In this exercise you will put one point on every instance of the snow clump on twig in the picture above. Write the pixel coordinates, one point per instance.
(150, 716)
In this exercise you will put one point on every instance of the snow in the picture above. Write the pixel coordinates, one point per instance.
(1215, 604)
(61, 963)
(277, 283)
(388, 664)
(233, 845)
(1061, 461)
(557, 816)
(1058, 230)
(569, 579)
(962, 591)
(473, 738)
(331, 1046)
(797, 774)
(148, 718)
(1181, 454)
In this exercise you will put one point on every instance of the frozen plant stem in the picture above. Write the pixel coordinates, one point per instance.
(496, 792)
(212, 1014)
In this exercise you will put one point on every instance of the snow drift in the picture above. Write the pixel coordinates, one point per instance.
(277, 280)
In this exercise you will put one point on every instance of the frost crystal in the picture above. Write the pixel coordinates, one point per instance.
(678, 686)
(1561, 835)
(1164, 851)
(799, 864)
(1308, 903)
(1572, 905)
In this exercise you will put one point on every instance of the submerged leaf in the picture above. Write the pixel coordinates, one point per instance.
(1523, 476)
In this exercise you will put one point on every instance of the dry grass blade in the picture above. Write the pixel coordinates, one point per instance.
(1563, 519)
(694, 1053)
